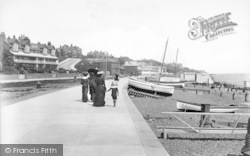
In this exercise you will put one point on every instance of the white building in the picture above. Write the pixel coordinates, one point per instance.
(29, 55)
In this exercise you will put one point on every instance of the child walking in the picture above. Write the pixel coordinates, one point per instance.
(114, 88)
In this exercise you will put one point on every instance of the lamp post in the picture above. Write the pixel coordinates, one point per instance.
(106, 65)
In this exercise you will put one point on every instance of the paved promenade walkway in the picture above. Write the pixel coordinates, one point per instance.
(62, 118)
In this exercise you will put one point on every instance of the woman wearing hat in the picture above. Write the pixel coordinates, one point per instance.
(99, 90)
(85, 83)
(92, 85)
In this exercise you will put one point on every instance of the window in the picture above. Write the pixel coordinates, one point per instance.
(44, 51)
(53, 52)
(15, 47)
(27, 49)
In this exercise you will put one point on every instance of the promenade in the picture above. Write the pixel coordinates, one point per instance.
(62, 118)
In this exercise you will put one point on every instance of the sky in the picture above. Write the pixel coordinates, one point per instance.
(135, 28)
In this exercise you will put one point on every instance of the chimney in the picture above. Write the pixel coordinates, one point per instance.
(49, 43)
(2, 35)
(2, 38)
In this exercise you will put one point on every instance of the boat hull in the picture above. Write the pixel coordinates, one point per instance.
(172, 84)
(150, 86)
(213, 109)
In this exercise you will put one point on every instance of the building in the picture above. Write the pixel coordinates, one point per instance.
(197, 77)
(111, 65)
(21, 53)
(131, 67)
(71, 51)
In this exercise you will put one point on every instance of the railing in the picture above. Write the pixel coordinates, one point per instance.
(201, 129)
(35, 61)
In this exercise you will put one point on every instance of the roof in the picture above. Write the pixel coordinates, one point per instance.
(23, 42)
(130, 63)
(34, 46)
(42, 45)
(11, 41)
(50, 47)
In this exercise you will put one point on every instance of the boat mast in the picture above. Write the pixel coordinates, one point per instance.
(163, 60)
(176, 62)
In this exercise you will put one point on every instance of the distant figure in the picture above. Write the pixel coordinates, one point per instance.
(99, 90)
(85, 84)
(92, 85)
(114, 88)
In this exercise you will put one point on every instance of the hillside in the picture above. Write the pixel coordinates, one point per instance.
(171, 66)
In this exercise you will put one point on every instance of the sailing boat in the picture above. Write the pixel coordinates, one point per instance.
(169, 80)
(152, 86)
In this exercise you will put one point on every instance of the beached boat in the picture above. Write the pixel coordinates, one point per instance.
(176, 84)
(171, 84)
(168, 79)
(181, 105)
(145, 85)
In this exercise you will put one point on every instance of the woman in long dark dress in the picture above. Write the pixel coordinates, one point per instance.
(92, 86)
(100, 90)
(85, 84)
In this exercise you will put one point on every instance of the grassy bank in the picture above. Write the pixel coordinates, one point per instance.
(15, 92)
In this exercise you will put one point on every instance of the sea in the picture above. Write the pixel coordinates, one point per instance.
(235, 79)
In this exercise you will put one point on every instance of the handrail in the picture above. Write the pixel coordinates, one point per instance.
(203, 122)
(201, 113)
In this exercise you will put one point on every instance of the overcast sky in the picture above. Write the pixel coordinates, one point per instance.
(135, 28)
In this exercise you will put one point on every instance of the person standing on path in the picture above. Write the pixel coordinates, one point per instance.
(100, 90)
(85, 84)
(114, 88)
(92, 85)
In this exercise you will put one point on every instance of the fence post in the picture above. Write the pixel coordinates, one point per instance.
(221, 94)
(246, 96)
(246, 148)
(206, 109)
(233, 96)
(38, 84)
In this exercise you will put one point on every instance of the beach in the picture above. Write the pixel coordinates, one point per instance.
(189, 143)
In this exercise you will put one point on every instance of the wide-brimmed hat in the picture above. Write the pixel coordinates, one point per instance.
(100, 72)
(93, 71)
(85, 73)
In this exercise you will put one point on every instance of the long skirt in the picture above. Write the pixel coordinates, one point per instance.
(85, 93)
(92, 92)
(99, 96)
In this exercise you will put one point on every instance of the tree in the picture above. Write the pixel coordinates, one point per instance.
(123, 59)
(7, 59)
(83, 66)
